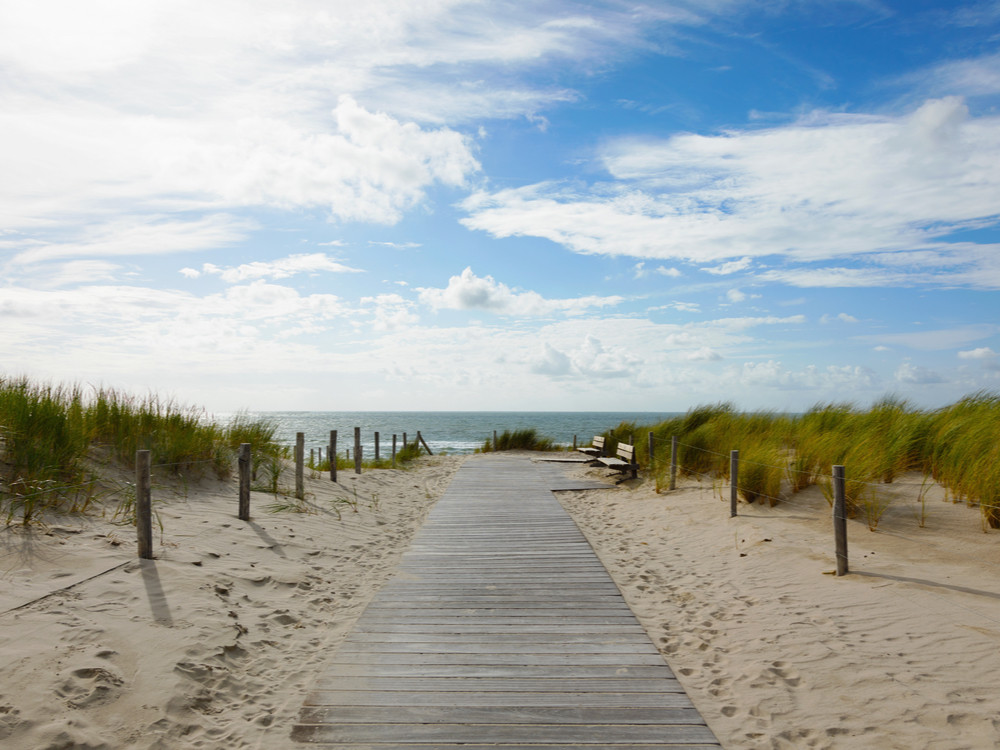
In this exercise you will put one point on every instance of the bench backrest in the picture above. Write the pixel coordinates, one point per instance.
(598, 442)
(626, 452)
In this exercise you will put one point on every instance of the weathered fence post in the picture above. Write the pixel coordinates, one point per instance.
(319, 455)
(673, 462)
(404, 439)
(495, 448)
(143, 506)
(333, 455)
(652, 450)
(300, 458)
(244, 471)
(574, 442)
(734, 480)
(840, 519)
(357, 450)
(394, 450)
(424, 442)
(376, 447)
(312, 457)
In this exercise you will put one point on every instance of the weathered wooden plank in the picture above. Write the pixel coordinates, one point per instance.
(623, 684)
(543, 671)
(497, 715)
(432, 660)
(554, 700)
(666, 745)
(574, 734)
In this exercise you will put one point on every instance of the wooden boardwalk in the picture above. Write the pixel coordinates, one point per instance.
(501, 628)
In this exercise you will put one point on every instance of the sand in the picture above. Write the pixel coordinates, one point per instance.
(777, 653)
(216, 642)
(213, 644)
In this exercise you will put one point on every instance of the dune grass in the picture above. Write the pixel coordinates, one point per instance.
(957, 446)
(54, 439)
(525, 440)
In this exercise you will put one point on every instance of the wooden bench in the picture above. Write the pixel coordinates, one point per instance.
(596, 447)
(623, 461)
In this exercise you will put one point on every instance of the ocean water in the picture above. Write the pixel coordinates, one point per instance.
(452, 432)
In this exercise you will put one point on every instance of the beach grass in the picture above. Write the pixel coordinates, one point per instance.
(54, 439)
(525, 440)
(957, 446)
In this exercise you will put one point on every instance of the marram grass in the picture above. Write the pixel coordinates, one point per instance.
(54, 438)
(958, 446)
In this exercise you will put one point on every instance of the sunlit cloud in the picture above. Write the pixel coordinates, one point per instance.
(470, 292)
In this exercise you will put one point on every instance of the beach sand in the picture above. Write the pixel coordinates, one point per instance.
(904, 652)
(213, 644)
(216, 642)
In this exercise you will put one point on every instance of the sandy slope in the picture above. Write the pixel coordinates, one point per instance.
(215, 642)
(903, 653)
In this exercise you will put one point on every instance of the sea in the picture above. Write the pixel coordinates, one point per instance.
(445, 432)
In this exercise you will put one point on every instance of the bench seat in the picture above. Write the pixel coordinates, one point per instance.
(623, 461)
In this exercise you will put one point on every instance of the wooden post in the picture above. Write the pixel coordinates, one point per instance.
(333, 455)
(652, 450)
(840, 519)
(673, 462)
(734, 480)
(394, 450)
(574, 442)
(357, 450)
(312, 457)
(244, 470)
(376, 447)
(495, 448)
(319, 455)
(404, 439)
(143, 506)
(424, 442)
(300, 455)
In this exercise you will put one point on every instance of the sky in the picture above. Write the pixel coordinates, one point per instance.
(475, 205)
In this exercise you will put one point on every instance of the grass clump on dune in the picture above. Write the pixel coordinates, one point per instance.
(53, 439)
(525, 440)
(957, 446)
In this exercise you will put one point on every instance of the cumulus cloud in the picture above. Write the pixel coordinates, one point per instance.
(470, 292)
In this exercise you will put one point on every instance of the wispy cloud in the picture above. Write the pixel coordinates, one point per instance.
(877, 184)
(280, 268)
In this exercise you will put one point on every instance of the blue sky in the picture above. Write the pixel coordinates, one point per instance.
(451, 204)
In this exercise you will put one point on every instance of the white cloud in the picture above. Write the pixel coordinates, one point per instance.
(671, 272)
(936, 340)
(842, 317)
(830, 186)
(470, 292)
(702, 354)
(279, 268)
(392, 312)
(732, 266)
(551, 361)
(139, 236)
(982, 352)
(916, 375)
(396, 245)
(735, 295)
